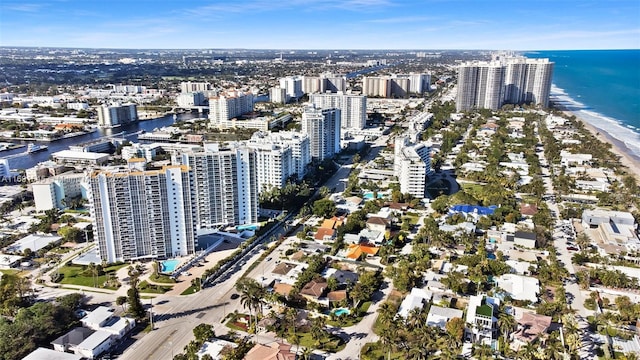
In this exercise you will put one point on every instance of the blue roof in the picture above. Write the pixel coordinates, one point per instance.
(481, 210)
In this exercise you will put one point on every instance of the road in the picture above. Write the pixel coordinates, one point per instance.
(175, 316)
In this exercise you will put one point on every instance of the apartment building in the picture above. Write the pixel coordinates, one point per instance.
(228, 106)
(504, 80)
(322, 126)
(56, 192)
(353, 108)
(143, 214)
(115, 115)
(225, 184)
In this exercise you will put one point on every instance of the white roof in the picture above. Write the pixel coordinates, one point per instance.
(438, 316)
(214, 347)
(33, 242)
(519, 287)
(97, 316)
(83, 155)
(48, 354)
(6, 260)
(415, 299)
(94, 340)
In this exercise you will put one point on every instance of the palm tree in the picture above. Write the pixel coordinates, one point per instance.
(306, 353)
(528, 352)
(506, 323)
(482, 352)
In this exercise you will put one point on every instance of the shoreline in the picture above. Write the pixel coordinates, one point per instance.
(632, 163)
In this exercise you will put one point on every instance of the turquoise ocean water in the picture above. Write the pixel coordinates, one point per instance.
(603, 88)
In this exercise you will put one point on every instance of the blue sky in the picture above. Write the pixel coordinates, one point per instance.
(323, 24)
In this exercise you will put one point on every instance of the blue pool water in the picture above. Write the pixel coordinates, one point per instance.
(246, 227)
(341, 311)
(168, 266)
(369, 195)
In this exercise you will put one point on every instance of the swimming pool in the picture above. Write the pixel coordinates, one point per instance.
(169, 266)
(246, 227)
(369, 195)
(341, 311)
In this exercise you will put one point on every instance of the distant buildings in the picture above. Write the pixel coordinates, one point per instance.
(116, 115)
(398, 86)
(188, 86)
(508, 80)
(143, 214)
(353, 108)
(322, 126)
(187, 100)
(292, 86)
(228, 106)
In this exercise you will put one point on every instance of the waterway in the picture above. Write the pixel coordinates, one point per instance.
(23, 160)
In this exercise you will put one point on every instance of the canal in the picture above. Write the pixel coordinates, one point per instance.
(22, 160)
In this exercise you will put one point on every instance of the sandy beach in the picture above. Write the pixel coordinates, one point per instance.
(632, 163)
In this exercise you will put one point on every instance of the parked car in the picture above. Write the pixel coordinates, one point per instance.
(572, 248)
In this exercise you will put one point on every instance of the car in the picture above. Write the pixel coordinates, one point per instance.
(234, 296)
(572, 248)
(269, 258)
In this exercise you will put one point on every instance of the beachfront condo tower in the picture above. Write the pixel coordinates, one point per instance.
(504, 80)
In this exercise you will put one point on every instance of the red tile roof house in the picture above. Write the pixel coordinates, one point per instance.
(314, 291)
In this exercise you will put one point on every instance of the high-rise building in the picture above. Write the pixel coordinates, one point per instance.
(399, 86)
(188, 86)
(293, 86)
(278, 95)
(115, 115)
(143, 214)
(527, 81)
(326, 82)
(56, 192)
(353, 108)
(225, 185)
(297, 142)
(228, 106)
(323, 128)
(414, 168)
(187, 100)
(273, 164)
(505, 80)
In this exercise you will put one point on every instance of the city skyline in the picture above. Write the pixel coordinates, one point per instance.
(328, 24)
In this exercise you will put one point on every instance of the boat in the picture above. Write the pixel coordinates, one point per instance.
(33, 148)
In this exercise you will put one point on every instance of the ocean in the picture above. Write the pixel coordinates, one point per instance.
(602, 87)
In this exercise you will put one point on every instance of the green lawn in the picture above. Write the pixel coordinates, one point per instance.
(346, 321)
(190, 290)
(374, 351)
(330, 344)
(80, 275)
(145, 287)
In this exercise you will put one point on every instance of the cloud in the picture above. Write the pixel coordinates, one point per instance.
(22, 7)
(401, 19)
(269, 5)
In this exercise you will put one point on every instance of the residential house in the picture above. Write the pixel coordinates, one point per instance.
(528, 209)
(48, 354)
(519, 287)
(482, 319)
(214, 348)
(85, 342)
(336, 297)
(530, 327)
(525, 238)
(273, 351)
(377, 224)
(314, 290)
(356, 251)
(417, 299)
(439, 316)
(102, 318)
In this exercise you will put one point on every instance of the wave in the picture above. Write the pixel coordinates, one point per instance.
(627, 135)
